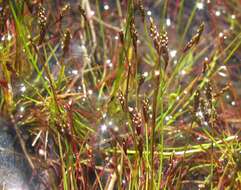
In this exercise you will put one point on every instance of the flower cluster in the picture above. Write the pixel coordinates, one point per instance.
(136, 119)
(160, 41)
(195, 39)
(42, 17)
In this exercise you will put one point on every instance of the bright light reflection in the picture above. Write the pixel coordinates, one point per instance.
(103, 128)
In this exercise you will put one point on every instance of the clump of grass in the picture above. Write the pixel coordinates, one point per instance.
(113, 104)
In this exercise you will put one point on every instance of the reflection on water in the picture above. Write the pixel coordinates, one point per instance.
(13, 167)
(15, 173)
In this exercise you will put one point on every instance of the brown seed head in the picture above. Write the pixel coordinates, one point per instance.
(145, 108)
(196, 100)
(121, 99)
(42, 22)
(154, 35)
(195, 39)
(164, 48)
(42, 16)
(136, 119)
(163, 40)
(160, 41)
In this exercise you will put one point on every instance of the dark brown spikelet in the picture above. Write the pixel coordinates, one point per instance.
(154, 35)
(121, 99)
(140, 82)
(160, 41)
(42, 22)
(163, 41)
(164, 50)
(121, 35)
(145, 108)
(83, 13)
(2, 20)
(208, 93)
(136, 119)
(205, 66)
(140, 146)
(133, 33)
(42, 16)
(66, 41)
(196, 101)
(125, 145)
(195, 39)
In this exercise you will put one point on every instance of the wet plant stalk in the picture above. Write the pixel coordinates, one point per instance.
(127, 85)
(153, 122)
(162, 145)
(22, 144)
(48, 74)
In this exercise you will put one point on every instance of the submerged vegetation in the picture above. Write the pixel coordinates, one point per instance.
(124, 94)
